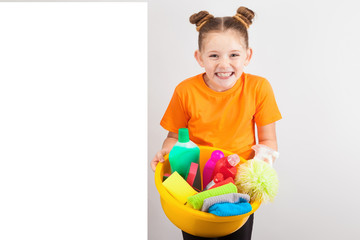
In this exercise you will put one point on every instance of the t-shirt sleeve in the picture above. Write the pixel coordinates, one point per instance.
(175, 116)
(267, 110)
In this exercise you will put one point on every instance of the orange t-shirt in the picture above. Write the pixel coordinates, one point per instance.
(226, 119)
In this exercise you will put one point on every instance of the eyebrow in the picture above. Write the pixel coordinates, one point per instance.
(213, 51)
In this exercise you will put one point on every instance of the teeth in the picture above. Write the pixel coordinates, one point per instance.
(224, 74)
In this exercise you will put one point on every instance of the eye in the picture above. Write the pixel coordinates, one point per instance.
(213, 56)
(234, 55)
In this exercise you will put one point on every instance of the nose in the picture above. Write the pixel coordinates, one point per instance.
(224, 62)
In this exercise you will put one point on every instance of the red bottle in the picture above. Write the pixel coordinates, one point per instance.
(226, 166)
(217, 179)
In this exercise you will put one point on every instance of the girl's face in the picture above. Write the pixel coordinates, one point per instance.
(224, 56)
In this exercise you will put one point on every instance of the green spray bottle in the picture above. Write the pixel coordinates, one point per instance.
(183, 154)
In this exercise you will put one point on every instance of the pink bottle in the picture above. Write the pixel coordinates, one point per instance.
(226, 166)
(208, 171)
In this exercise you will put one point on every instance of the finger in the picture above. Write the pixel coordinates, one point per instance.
(160, 156)
(268, 161)
(153, 165)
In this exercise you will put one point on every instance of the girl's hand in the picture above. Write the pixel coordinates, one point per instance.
(169, 142)
(159, 157)
(267, 148)
(265, 153)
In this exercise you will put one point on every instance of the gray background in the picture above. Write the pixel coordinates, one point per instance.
(309, 51)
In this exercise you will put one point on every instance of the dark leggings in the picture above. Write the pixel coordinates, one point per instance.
(243, 233)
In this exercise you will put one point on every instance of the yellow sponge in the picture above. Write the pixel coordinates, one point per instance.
(178, 187)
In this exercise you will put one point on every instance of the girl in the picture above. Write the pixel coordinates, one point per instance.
(222, 106)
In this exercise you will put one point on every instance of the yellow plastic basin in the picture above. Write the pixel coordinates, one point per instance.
(193, 221)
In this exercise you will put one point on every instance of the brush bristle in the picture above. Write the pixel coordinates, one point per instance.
(257, 179)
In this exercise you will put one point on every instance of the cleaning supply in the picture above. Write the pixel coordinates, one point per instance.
(183, 154)
(226, 166)
(194, 178)
(192, 221)
(230, 209)
(265, 153)
(258, 179)
(219, 177)
(192, 173)
(178, 187)
(165, 176)
(196, 201)
(208, 172)
(230, 198)
(226, 181)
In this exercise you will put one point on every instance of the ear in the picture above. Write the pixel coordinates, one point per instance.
(249, 53)
(198, 58)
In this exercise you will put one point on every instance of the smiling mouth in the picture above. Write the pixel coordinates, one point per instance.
(224, 75)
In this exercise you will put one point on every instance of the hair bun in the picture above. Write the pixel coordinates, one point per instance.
(200, 18)
(245, 15)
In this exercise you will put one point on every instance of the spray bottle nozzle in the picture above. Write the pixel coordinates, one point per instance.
(265, 153)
